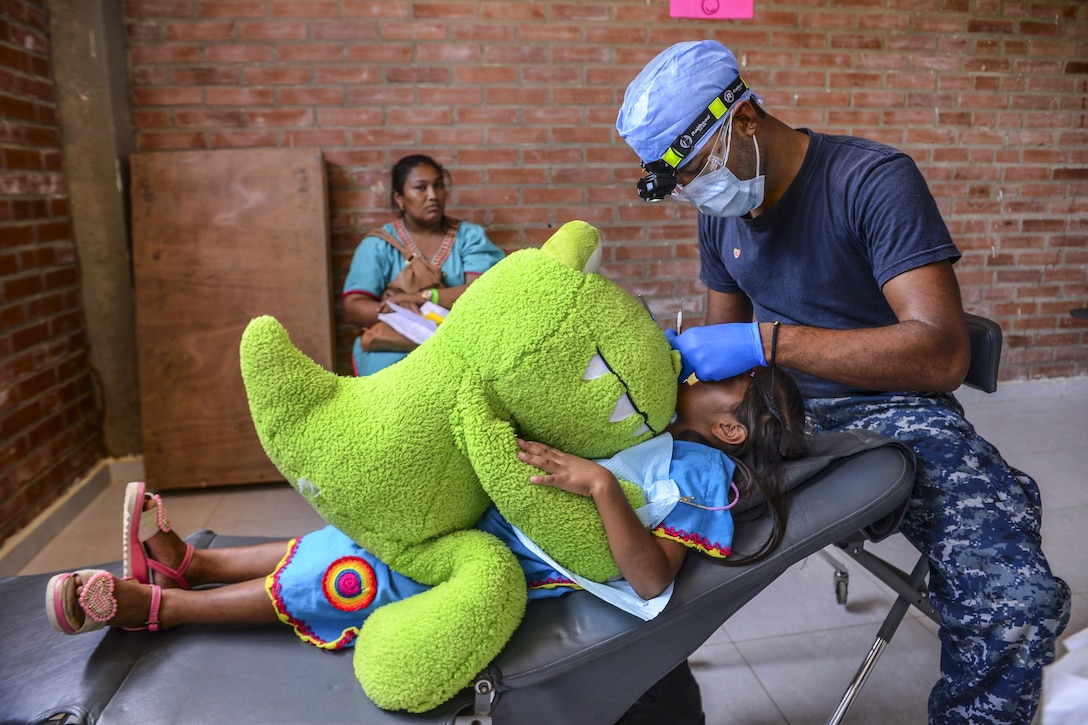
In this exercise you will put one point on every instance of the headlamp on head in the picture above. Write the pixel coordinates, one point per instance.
(660, 178)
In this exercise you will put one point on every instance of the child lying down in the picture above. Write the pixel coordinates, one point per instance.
(323, 585)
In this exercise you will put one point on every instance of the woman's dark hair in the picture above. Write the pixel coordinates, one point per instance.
(773, 411)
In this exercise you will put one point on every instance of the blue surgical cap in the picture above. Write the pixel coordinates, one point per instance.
(671, 91)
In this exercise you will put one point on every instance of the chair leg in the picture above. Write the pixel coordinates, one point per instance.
(911, 591)
(911, 587)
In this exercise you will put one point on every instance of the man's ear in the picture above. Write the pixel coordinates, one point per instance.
(745, 117)
(729, 431)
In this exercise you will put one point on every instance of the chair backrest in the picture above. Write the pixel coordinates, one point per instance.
(985, 337)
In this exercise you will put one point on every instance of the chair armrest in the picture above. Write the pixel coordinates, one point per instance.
(985, 335)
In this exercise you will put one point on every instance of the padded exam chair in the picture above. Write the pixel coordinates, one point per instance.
(911, 587)
(574, 659)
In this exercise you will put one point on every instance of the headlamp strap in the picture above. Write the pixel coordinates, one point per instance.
(717, 108)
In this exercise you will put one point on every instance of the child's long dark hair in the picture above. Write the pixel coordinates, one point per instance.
(776, 434)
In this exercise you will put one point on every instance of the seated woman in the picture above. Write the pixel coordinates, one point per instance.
(458, 251)
(325, 586)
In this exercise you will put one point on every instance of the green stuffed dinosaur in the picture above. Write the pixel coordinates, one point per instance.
(406, 460)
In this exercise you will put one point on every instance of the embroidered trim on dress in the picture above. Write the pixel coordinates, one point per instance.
(275, 592)
(694, 541)
(443, 250)
(552, 582)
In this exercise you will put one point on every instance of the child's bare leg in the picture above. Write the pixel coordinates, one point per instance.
(212, 566)
(246, 602)
(236, 563)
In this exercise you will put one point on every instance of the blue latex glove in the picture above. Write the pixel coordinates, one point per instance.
(717, 352)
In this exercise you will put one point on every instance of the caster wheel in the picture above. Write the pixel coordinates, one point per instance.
(842, 585)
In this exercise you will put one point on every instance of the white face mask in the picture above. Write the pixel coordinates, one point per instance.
(719, 192)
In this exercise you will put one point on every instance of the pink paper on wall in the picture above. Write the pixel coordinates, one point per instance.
(710, 8)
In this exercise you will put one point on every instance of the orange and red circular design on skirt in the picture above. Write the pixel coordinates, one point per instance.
(349, 584)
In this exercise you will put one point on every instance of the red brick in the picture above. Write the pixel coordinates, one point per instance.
(309, 52)
(204, 75)
(418, 75)
(371, 9)
(315, 137)
(231, 8)
(266, 30)
(350, 30)
(22, 159)
(507, 11)
(160, 8)
(167, 96)
(242, 139)
(189, 119)
(382, 137)
(200, 30)
(53, 230)
(277, 75)
(239, 53)
(168, 53)
(152, 119)
(307, 9)
(452, 136)
(350, 75)
(349, 117)
(281, 117)
(311, 96)
(447, 10)
(220, 96)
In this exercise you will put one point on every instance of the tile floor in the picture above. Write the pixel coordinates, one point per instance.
(787, 656)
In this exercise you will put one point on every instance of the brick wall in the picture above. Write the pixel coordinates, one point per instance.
(520, 99)
(50, 431)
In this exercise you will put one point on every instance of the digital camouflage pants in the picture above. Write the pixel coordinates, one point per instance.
(977, 519)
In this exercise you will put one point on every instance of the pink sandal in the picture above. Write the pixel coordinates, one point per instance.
(96, 601)
(139, 526)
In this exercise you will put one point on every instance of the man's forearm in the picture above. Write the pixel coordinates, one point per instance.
(910, 355)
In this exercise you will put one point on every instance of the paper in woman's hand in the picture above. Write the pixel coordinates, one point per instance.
(417, 327)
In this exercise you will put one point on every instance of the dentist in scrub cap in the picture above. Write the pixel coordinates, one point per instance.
(676, 116)
(836, 247)
(672, 116)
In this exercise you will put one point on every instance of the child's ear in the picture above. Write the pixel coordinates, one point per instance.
(729, 431)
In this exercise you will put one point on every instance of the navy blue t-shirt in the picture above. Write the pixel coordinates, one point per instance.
(858, 214)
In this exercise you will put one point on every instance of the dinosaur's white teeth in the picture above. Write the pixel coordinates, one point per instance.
(596, 368)
(593, 264)
(624, 409)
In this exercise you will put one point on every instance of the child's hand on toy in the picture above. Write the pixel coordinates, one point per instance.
(564, 471)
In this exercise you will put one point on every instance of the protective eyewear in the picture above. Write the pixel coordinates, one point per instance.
(660, 178)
